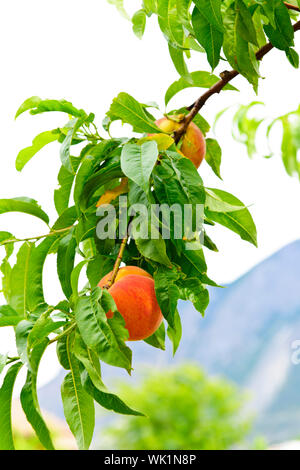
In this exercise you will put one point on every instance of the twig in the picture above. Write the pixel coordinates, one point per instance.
(117, 263)
(226, 77)
(64, 333)
(39, 237)
(291, 7)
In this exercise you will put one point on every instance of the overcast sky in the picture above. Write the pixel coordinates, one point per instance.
(85, 52)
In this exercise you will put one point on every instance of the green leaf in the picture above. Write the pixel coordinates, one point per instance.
(98, 268)
(36, 106)
(25, 205)
(245, 128)
(238, 52)
(38, 143)
(167, 292)
(196, 259)
(150, 6)
(181, 181)
(8, 316)
(65, 261)
(293, 57)
(67, 218)
(97, 332)
(22, 332)
(138, 161)
(139, 23)
(157, 340)
(198, 80)
(193, 290)
(208, 35)
(201, 123)
(246, 26)
(182, 8)
(42, 328)
(65, 149)
(281, 33)
(211, 10)
(216, 202)
(6, 437)
(101, 177)
(92, 381)
(213, 156)
(169, 24)
(33, 277)
(239, 222)
(175, 332)
(75, 278)
(28, 104)
(78, 405)
(29, 401)
(119, 4)
(65, 180)
(289, 147)
(90, 361)
(91, 158)
(208, 243)
(177, 57)
(62, 353)
(19, 279)
(153, 249)
(5, 236)
(107, 400)
(128, 110)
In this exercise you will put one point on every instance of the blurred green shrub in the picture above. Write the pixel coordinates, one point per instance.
(185, 409)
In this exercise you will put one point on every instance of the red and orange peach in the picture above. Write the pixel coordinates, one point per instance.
(134, 294)
(193, 143)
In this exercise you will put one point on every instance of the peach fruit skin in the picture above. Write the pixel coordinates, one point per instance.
(193, 144)
(125, 271)
(135, 298)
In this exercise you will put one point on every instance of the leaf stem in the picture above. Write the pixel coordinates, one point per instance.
(39, 237)
(226, 77)
(65, 333)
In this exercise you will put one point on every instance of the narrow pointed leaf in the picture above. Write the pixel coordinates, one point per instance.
(78, 405)
(25, 205)
(6, 391)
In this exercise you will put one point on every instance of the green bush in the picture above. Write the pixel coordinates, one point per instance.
(185, 409)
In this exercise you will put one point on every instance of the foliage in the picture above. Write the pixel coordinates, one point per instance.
(247, 124)
(191, 411)
(93, 164)
(236, 27)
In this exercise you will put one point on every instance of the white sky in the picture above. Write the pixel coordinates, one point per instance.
(86, 53)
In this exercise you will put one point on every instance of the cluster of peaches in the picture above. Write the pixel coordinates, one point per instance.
(133, 289)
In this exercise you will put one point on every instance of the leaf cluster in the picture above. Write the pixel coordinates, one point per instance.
(230, 31)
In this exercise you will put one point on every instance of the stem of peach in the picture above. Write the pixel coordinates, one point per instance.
(117, 263)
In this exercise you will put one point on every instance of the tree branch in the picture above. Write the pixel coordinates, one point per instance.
(226, 77)
(291, 7)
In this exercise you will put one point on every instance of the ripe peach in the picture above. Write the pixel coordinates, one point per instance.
(134, 295)
(193, 143)
(125, 271)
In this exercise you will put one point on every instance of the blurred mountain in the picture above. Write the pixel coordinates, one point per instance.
(247, 336)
